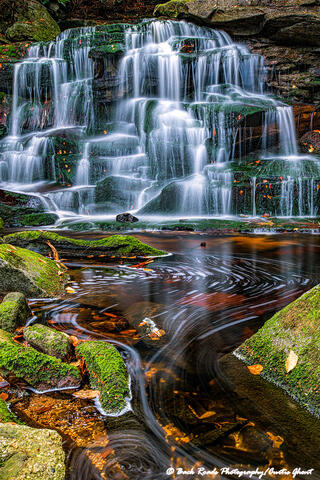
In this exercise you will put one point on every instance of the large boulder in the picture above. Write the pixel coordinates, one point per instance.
(14, 311)
(30, 454)
(113, 246)
(33, 22)
(108, 374)
(30, 273)
(171, 9)
(287, 349)
(36, 369)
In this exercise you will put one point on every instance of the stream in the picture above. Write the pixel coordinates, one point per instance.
(185, 411)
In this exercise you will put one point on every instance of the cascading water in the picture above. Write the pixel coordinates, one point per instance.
(160, 118)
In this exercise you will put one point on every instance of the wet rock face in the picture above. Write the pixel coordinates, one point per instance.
(279, 28)
(29, 453)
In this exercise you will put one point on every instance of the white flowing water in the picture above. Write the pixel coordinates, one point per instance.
(177, 135)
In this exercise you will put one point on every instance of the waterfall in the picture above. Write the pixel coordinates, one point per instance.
(160, 118)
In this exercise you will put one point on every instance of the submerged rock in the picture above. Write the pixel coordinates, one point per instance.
(126, 217)
(30, 454)
(30, 273)
(114, 246)
(49, 341)
(38, 370)
(293, 332)
(33, 22)
(108, 374)
(14, 311)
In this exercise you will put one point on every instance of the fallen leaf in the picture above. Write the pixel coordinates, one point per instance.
(4, 396)
(86, 394)
(70, 290)
(291, 361)
(255, 369)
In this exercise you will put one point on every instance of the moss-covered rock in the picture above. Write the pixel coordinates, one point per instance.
(114, 246)
(38, 370)
(171, 9)
(30, 273)
(33, 22)
(108, 374)
(39, 219)
(30, 454)
(49, 341)
(6, 415)
(295, 328)
(14, 207)
(14, 311)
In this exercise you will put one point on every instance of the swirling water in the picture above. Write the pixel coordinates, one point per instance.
(185, 408)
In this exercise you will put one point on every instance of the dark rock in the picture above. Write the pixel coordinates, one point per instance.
(296, 34)
(14, 312)
(126, 217)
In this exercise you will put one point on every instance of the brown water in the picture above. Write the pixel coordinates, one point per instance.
(185, 411)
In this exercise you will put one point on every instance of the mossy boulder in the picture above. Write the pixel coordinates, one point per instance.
(295, 329)
(114, 246)
(33, 22)
(171, 9)
(30, 273)
(30, 454)
(40, 371)
(14, 311)
(108, 374)
(49, 341)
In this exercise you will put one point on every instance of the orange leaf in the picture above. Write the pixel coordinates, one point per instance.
(4, 396)
(255, 369)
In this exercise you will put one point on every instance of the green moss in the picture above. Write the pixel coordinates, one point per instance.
(114, 245)
(296, 328)
(1, 225)
(47, 340)
(36, 219)
(108, 373)
(5, 414)
(30, 273)
(112, 49)
(37, 369)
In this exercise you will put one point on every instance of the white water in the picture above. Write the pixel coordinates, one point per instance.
(170, 140)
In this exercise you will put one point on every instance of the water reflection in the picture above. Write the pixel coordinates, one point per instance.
(206, 301)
